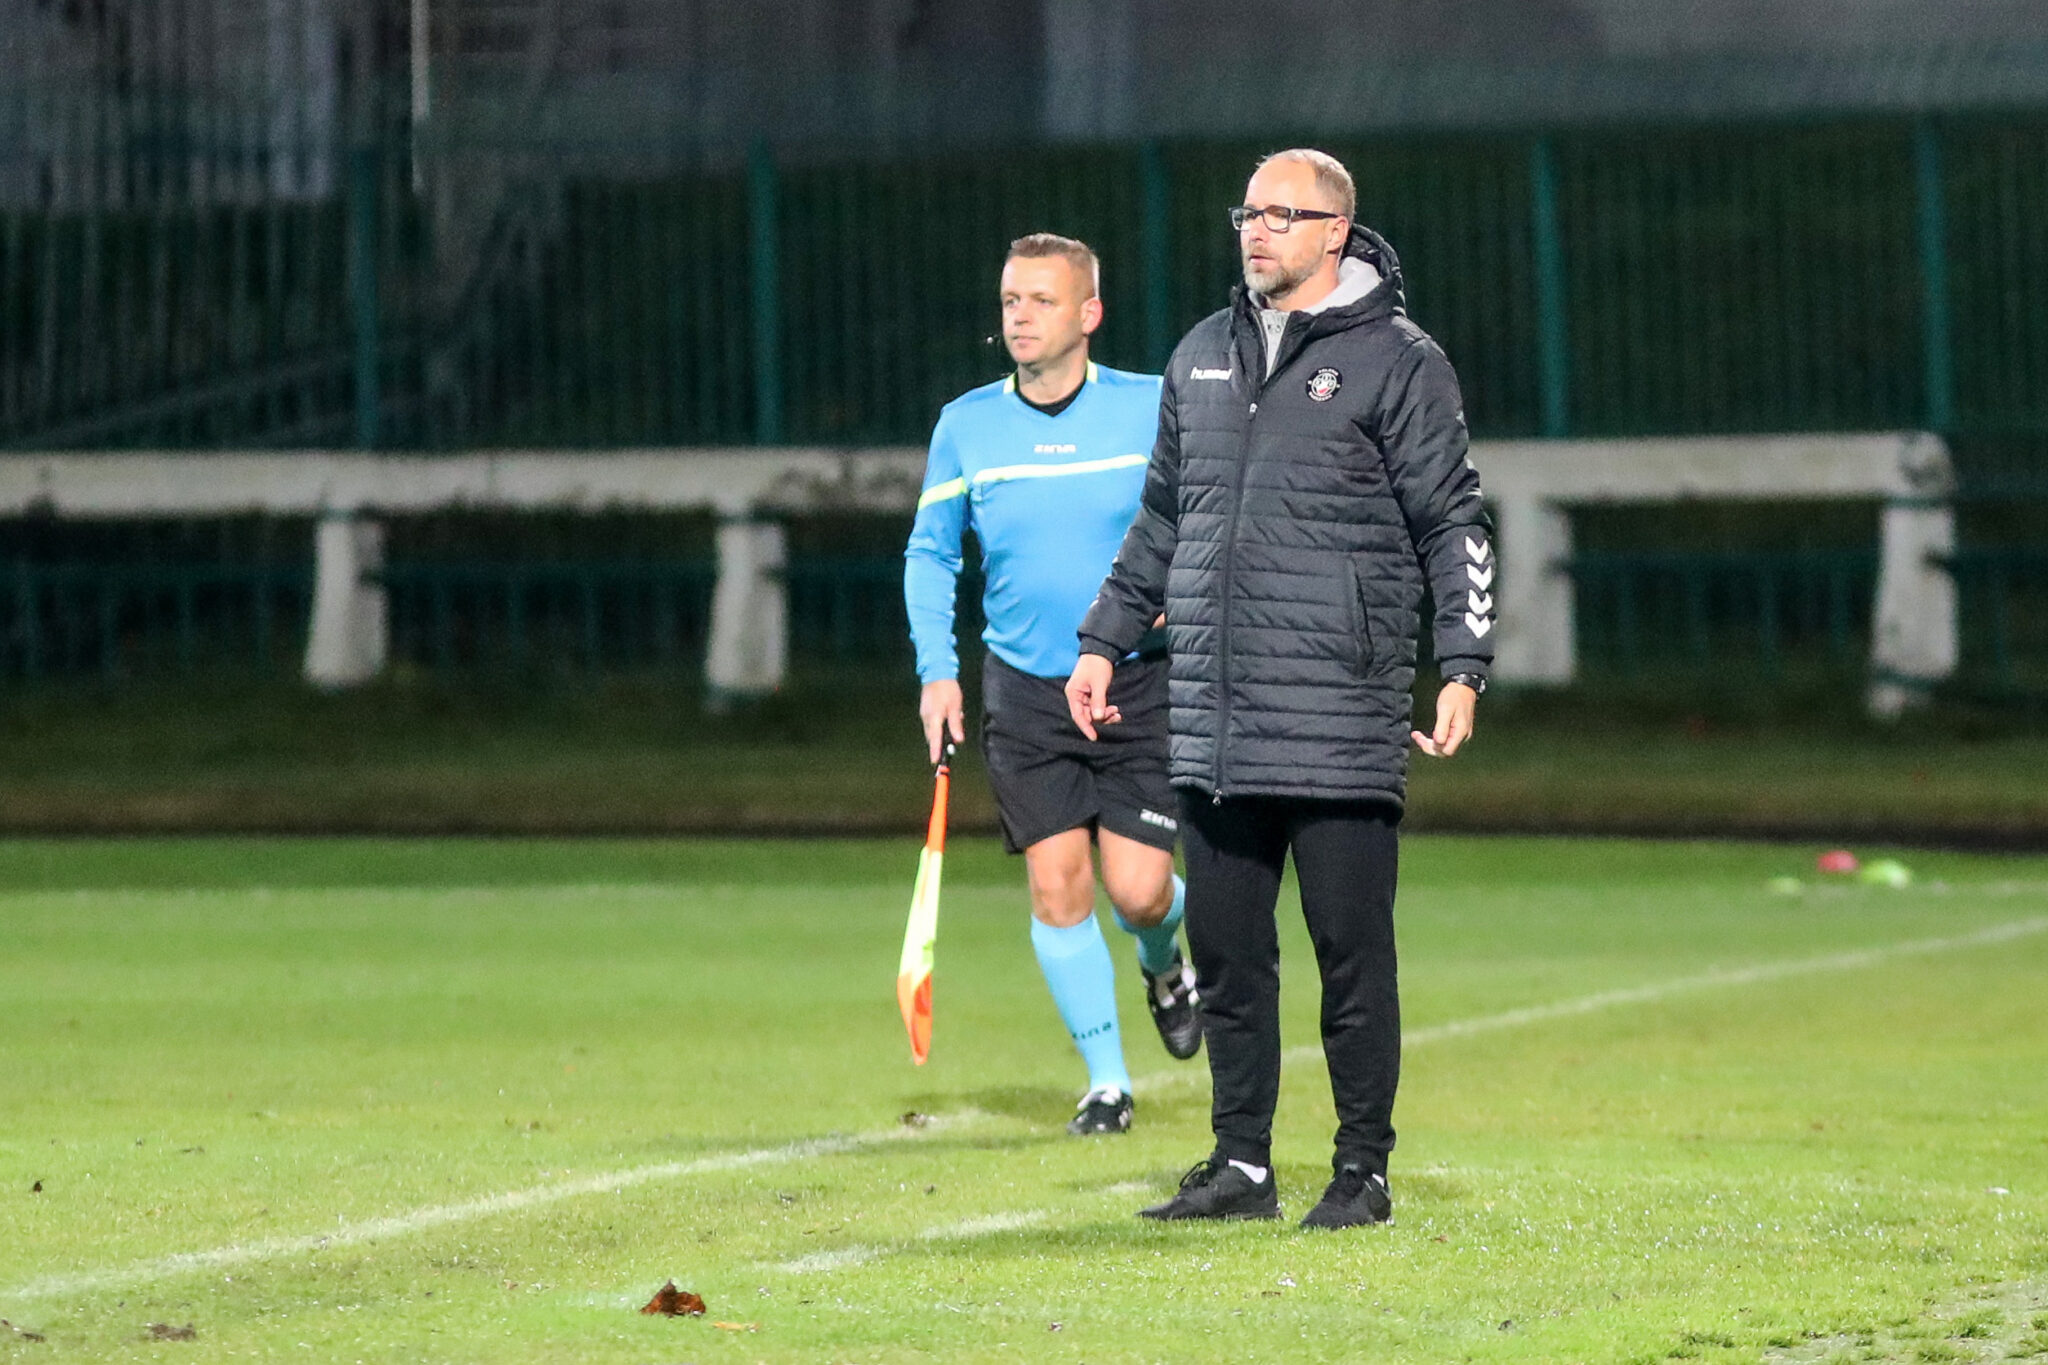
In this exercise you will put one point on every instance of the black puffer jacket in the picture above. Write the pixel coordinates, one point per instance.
(1285, 530)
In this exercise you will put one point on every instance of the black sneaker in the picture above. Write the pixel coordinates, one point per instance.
(1104, 1110)
(1217, 1189)
(1176, 1007)
(1353, 1200)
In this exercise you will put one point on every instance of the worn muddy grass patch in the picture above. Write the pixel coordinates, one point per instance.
(1985, 1324)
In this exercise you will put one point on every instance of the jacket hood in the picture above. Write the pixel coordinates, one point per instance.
(1386, 300)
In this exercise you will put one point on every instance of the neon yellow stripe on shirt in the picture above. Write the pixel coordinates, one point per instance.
(1005, 473)
(939, 492)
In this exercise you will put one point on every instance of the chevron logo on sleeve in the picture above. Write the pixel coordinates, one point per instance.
(1479, 597)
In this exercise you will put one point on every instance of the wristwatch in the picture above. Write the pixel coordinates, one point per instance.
(1475, 681)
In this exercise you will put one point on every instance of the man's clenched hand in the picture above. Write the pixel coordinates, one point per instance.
(1088, 695)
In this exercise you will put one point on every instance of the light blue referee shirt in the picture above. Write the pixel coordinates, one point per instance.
(1050, 499)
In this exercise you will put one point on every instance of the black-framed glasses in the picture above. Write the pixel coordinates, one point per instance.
(1278, 217)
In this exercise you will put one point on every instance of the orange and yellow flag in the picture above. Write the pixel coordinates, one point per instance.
(921, 934)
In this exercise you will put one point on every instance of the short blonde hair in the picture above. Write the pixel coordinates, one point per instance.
(1075, 252)
(1331, 177)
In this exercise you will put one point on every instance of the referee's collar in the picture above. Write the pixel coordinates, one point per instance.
(1088, 376)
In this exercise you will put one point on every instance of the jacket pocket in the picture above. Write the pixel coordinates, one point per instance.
(1361, 625)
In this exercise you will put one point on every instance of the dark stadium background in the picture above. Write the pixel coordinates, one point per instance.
(598, 224)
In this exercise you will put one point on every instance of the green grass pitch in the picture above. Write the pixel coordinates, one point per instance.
(476, 1101)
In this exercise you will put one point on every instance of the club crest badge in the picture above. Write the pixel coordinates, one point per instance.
(1323, 384)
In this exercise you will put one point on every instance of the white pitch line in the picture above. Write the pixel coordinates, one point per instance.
(841, 1257)
(1506, 1019)
(442, 1215)
(1852, 960)
(985, 1225)
(838, 1259)
(1664, 990)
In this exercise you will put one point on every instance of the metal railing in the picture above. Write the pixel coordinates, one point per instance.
(539, 617)
(1743, 614)
(120, 622)
(2004, 601)
(594, 616)
(1745, 609)
(525, 618)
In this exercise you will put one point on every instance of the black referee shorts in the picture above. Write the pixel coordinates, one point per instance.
(1049, 778)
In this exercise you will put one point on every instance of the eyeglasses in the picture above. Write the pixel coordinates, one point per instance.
(1278, 217)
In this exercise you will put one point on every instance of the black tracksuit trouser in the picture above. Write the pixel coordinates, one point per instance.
(1346, 858)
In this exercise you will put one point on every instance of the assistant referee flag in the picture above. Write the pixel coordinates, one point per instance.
(921, 933)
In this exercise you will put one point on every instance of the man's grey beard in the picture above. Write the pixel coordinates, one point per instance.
(1280, 280)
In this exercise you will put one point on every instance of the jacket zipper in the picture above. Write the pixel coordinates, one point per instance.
(1244, 459)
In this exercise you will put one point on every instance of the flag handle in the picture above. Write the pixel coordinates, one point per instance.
(942, 784)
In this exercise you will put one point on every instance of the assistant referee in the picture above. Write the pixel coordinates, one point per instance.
(1046, 467)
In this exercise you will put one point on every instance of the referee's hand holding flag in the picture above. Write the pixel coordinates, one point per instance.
(942, 707)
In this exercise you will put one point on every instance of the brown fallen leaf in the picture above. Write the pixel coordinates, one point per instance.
(164, 1331)
(737, 1326)
(670, 1301)
(22, 1332)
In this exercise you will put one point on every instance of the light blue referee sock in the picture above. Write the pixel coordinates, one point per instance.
(1083, 982)
(1156, 946)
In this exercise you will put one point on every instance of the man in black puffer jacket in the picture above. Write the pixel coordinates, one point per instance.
(1309, 474)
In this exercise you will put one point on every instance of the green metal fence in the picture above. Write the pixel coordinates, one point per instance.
(2003, 599)
(530, 618)
(188, 327)
(1639, 610)
(1848, 275)
(1857, 274)
(1741, 613)
(117, 622)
